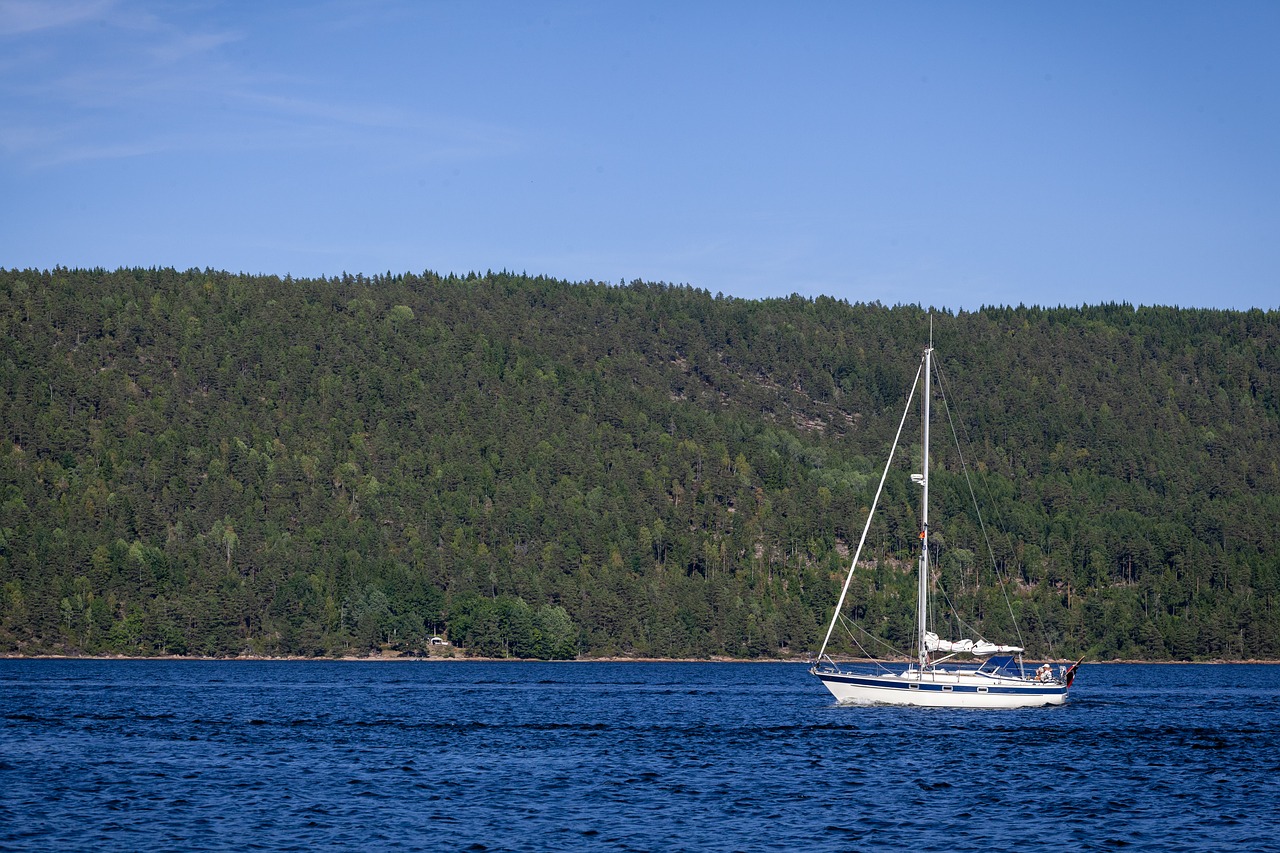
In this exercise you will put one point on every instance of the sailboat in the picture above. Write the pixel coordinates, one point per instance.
(961, 673)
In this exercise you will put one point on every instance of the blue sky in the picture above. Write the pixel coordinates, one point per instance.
(942, 153)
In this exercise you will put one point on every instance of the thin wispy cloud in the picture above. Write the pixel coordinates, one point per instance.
(155, 86)
(28, 16)
(182, 47)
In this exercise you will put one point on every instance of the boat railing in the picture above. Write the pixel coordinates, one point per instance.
(824, 663)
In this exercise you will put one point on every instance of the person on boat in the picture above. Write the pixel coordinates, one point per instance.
(1044, 673)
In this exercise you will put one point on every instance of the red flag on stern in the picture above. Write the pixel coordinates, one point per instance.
(1070, 675)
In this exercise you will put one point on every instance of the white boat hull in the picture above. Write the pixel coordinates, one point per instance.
(941, 689)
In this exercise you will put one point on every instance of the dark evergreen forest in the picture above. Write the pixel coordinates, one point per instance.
(206, 463)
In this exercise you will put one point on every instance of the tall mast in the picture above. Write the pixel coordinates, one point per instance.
(922, 605)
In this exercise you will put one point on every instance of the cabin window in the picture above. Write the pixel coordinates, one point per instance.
(915, 686)
(982, 690)
(946, 688)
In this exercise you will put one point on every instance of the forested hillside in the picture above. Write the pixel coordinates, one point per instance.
(206, 463)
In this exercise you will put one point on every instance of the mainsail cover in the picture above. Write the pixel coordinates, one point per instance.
(980, 648)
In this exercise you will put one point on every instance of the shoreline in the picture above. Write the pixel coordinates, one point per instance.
(607, 659)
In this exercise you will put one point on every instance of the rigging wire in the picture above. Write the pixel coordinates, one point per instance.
(1003, 579)
(981, 522)
(965, 627)
(846, 623)
(870, 514)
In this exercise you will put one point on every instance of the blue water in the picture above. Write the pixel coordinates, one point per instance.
(438, 756)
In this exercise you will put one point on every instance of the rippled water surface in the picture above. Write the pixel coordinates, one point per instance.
(180, 755)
